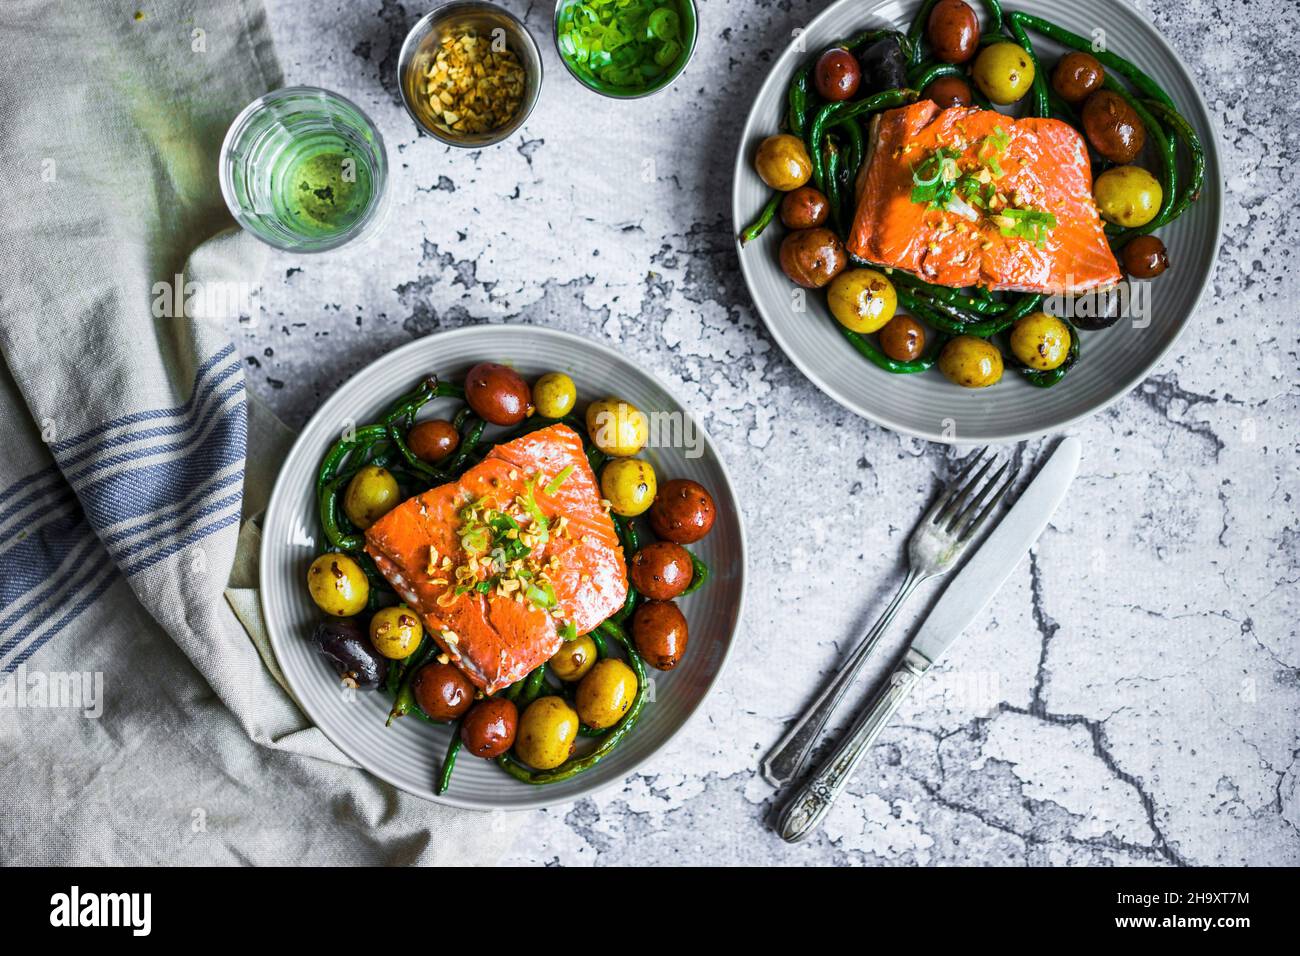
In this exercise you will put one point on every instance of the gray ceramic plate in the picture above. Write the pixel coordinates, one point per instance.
(927, 404)
(409, 754)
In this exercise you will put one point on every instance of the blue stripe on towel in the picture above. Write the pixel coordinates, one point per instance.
(187, 422)
(163, 502)
(150, 414)
(78, 478)
(36, 476)
(157, 487)
(73, 613)
(33, 560)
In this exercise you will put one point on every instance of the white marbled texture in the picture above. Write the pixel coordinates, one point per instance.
(1132, 694)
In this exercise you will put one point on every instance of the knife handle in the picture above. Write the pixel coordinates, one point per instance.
(813, 800)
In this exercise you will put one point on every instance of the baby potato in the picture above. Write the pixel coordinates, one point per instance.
(433, 440)
(1004, 72)
(338, 585)
(546, 733)
(1112, 126)
(1145, 257)
(953, 31)
(554, 395)
(659, 630)
(396, 632)
(862, 300)
(661, 570)
(606, 693)
(1127, 195)
(971, 362)
(442, 691)
(497, 393)
(684, 513)
(812, 257)
(574, 658)
(617, 428)
(371, 494)
(1077, 76)
(782, 162)
(489, 728)
(1040, 341)
(902, 339)
(629, 485)
(804, 208)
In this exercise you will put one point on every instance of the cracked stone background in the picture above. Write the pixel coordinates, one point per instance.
(1130, 697)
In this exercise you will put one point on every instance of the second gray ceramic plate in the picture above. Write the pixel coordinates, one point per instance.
(409, 754)
(927, 405)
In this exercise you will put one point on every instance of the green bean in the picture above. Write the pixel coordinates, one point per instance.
(832, 185)
(512, 692)
(1039, 84)
(405, 699)
(629, 605)
(628, 535)
(1145, 85)
(917, 30)
(1184, 131)
(994, 8)
(870, 36)
(341, 449)
(609, 741)
(1061, 110)
(797, 96)
(328, 504)
(596, 458)
(920, 80)
(533, 686)
(699, 573)
(833, 113)
(764, 219)
(849, 168)
(468, 442)
(396, 670)
(449, 761)
(946, 294)
(951, 321)
(602, 649)
(585, 731)
(869, 349)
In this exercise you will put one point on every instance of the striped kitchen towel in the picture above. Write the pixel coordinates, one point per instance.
(138, 721)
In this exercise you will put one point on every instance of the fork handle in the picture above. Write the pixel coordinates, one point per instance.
(813, 800)
(782, 764)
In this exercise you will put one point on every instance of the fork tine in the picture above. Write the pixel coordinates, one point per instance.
(953, 487)
(960, 520)
(977, 522)
(959, 496)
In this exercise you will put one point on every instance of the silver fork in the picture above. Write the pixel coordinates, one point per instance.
(937, 542)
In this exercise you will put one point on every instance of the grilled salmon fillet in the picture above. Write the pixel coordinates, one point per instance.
(1043, 166)
(437, 548)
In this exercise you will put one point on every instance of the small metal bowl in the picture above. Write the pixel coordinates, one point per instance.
(483, 18)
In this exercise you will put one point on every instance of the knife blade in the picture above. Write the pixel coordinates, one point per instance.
(987, 570)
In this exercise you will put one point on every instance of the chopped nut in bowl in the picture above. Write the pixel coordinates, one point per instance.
(469, 73)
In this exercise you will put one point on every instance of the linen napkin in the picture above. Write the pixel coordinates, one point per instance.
(142, 716)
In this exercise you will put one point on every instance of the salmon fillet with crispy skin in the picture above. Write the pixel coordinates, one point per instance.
(1044, 167)
(498, 637)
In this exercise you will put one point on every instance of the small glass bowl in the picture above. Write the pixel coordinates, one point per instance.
(690, 20)
(483, 18)
(271, 140)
